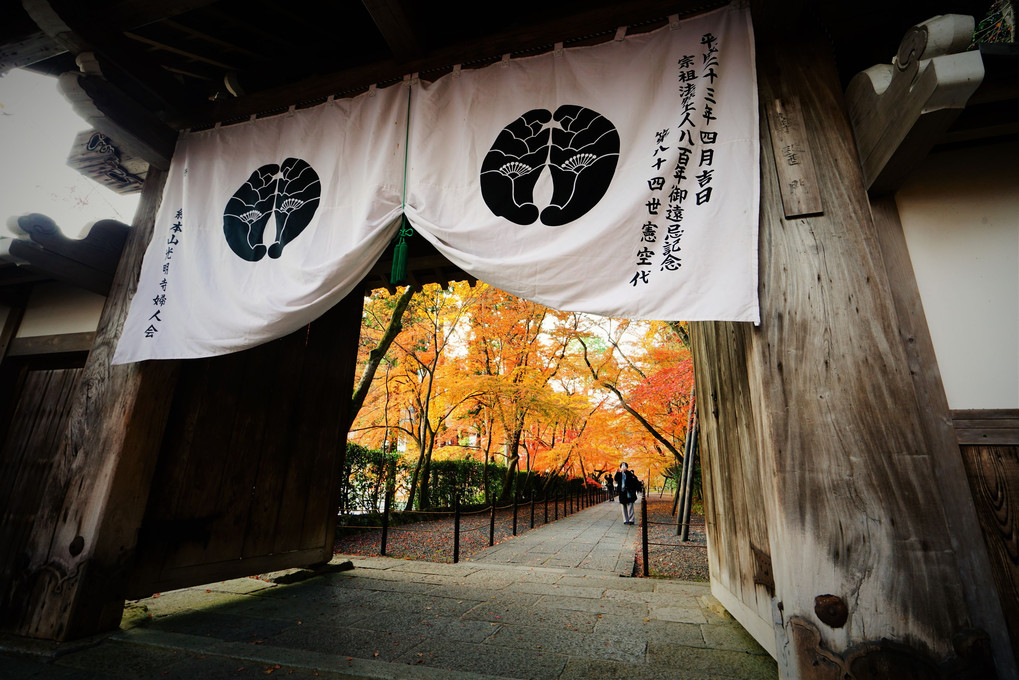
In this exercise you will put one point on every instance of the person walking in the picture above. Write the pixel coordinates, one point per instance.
(627, 486)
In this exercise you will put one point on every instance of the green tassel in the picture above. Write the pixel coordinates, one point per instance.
(398, 275)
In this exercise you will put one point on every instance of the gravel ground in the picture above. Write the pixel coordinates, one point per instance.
(667, 555)
(433, 540)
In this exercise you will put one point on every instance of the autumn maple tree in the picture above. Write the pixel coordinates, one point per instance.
(472, 372)
(648, 368)
(514, 350)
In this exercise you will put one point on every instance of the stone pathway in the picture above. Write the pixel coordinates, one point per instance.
(550, 604)
(594, 538)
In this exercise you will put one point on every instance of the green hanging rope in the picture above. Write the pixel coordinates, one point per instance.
(398, 274)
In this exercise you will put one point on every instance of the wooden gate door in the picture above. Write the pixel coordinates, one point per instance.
(42, 406)
(247, 476)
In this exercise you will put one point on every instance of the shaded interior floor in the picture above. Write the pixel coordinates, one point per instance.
(496, 616)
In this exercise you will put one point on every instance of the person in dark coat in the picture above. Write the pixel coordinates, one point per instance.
(627, 486)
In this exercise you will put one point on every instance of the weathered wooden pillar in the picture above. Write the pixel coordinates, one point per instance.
(84, 535)
(859, 563)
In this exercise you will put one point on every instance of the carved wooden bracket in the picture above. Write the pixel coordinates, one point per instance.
(110, 111)
(98, 157)
(98, 98)
(88, 263)
(899, 111)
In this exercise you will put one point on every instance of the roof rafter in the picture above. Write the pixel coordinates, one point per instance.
(566, 27)
(390, 16)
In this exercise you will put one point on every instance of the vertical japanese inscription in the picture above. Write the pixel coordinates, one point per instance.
(692, 143)
(175, 232)
(796, 175)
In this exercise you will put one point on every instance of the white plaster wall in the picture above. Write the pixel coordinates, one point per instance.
(960, 216)
(56, 308)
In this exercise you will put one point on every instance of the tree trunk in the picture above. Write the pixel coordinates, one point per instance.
(484, 471)
(414, 481)
(512, 456)
(425, 501)
(377, 354)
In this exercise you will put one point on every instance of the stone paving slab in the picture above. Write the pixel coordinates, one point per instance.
(507, 613)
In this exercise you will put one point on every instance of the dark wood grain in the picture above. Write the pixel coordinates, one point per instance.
(96, 492)
(936, 420)
(26, 459)
(993, 473)
(248, 474)
(852, 502)
(734, 495)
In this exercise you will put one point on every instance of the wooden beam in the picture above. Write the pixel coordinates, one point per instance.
(12, 314)
(80, 29)
(986, 427)
(84, 537)
(64, 343)
(128, 14)
(562, 27)
(390, 16)
(27, 51)
(12, 373)
(211, 39)
(176, 50)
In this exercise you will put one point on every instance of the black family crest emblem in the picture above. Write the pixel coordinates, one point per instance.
(580, 148)
(289, 192)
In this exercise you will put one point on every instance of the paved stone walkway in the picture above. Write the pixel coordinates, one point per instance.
(595, 538)
(550, 604)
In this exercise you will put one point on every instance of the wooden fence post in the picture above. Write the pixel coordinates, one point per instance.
(643, 531)
(456, 528)
(385, 523)
(688, 487)
(491, 526)
(514, 513)
(532, 508)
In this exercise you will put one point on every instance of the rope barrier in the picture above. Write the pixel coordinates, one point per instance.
(415, 519)
(425, 512)
(418, 530)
